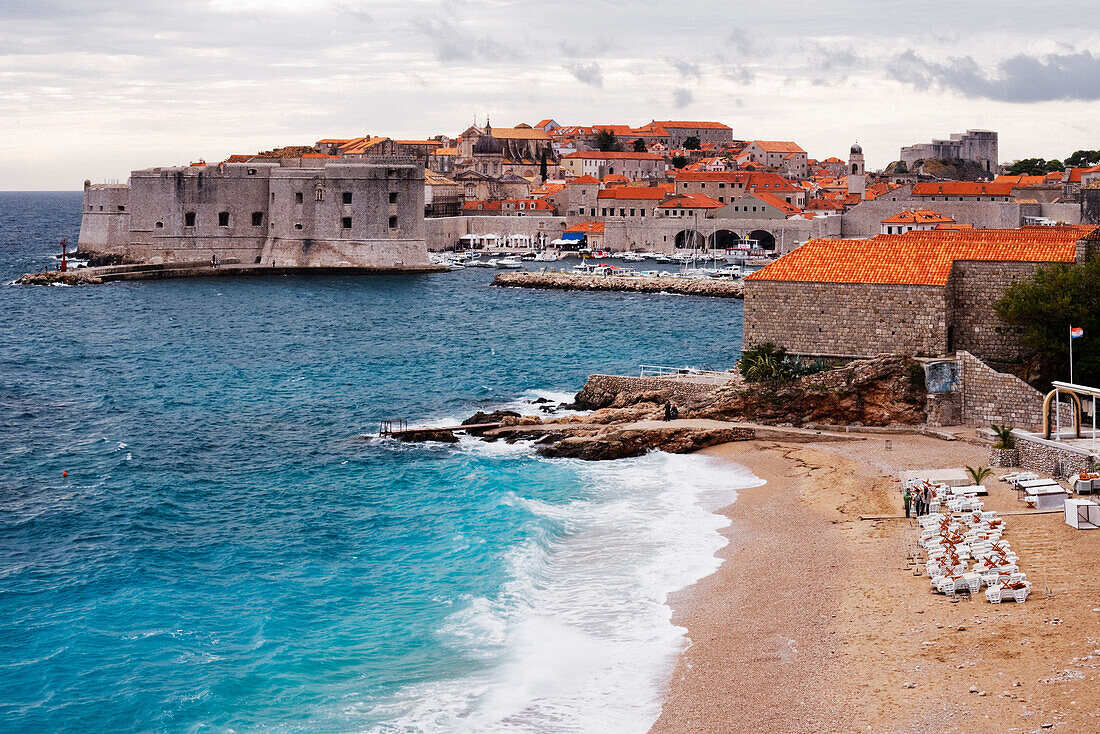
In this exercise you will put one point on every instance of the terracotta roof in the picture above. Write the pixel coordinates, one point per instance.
(614, 155)
(649, 193)
(918, 216)
(778, 146)
(921, 257)
(476, 205)
(962, 188)
(681, 124)
(419, 142)
(588, 227)
(437, 179)
(446, 151)
(776, 202)
(691, 201)
(585, 179)
(519, 133)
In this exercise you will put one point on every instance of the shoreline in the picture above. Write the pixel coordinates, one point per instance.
(813, 623)
(710, 287)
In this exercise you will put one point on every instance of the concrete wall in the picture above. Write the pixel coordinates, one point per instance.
(1046, 457)
(846, 320)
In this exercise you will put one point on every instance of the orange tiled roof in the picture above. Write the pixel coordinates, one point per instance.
(681, 124)
(586, 179)
(649, 193)
(961, 188)
(921, 257)
(779, 146)
(587, 227)
(776, 202)
(691, 201)
(917, 216)
(614, 155)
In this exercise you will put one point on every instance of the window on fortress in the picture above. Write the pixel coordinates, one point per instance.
(393, 197)
(189, 219)
(223, 219)
(319, 194)
(257, 219)
(298, 198)
(121, 208)
(347, 197)
(345, 223)
(297, 226)
(160, 225)
(393, 222)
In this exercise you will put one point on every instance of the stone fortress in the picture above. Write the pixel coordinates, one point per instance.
(304, 212)
(974, 146)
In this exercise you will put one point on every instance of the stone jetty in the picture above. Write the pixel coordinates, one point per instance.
(579, 282)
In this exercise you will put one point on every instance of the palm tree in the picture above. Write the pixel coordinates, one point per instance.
(979, 473)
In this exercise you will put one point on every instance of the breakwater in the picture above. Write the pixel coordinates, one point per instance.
(577, 282)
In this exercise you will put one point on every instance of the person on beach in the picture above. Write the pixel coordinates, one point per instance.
(668, 411)
(926, 498)
(907, 498)
(917, 502)
(214, 260)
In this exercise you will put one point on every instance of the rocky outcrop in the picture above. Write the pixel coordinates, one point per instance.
(500, 417)
(52, 277)
(882, 391)
(575, 282)
(428, 434)
(623, 443)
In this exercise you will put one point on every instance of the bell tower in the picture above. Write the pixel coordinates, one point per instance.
(857, 182)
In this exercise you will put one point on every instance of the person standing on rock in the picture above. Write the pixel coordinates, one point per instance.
(907, 498)
(668, 411)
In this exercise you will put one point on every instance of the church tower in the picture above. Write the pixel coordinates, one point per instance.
(857, 183)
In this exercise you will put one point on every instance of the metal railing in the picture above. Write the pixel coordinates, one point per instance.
(650, 370)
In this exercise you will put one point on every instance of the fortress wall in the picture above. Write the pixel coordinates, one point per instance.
(105, 224)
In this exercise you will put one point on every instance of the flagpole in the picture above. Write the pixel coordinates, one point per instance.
(1071, 354)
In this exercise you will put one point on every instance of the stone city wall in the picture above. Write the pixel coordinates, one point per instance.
(975, 288)
(865, 219)
(846, 319)
(991, 397)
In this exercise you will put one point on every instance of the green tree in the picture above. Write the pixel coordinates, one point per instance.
(605, 141)
(639, 146)
(542, 167)
(1083, 159)
(692, 143)
(1045, 306)
(1028, 167)
(679, 161)
(1054, 165)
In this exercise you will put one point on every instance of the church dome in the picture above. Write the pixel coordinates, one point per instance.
(857, 148)
(487, 144)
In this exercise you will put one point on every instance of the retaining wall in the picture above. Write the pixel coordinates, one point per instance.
(680, 389)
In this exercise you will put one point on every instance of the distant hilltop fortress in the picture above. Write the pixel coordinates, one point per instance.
(974, 146)
(309, 211)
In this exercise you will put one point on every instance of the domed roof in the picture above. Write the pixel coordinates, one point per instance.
(487, 144)
(856, 148)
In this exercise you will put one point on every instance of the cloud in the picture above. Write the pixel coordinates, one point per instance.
(686, 68)
(451, 43)
(681, 98)
(1021, 78)
(589, 73)
(739, 40)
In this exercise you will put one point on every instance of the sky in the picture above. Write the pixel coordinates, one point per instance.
(91, 89)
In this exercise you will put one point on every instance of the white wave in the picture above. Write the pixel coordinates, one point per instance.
(580, 639)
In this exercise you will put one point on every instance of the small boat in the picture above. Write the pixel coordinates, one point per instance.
(632, 257)
(477, 262)
(662, 258)
(547, 256)
(508, 263)
(730, 272)
(601, 255)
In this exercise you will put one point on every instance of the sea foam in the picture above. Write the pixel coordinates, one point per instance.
(580, 639)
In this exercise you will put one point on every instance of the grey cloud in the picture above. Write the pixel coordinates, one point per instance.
(1021, 78)
(681, 98)
(451, 43)
(741, 74)
(686, 68)
(589, 73)
(739, 40)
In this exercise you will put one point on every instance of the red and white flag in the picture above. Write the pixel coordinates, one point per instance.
(1076, 332)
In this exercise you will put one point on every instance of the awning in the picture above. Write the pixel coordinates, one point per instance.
(573, 236)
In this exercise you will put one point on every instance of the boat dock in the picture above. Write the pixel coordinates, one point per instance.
(158, 271)
(400, 429)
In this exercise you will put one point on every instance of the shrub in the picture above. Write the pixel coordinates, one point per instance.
(766, 363)
(1005, 439)
(979, 473)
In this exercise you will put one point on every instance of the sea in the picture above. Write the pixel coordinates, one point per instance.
(199, 534)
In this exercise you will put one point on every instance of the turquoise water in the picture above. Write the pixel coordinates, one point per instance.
(225, 555)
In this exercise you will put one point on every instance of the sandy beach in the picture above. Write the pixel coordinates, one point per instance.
(814, 623)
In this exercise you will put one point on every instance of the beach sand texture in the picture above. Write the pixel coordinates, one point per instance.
(814, 624)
